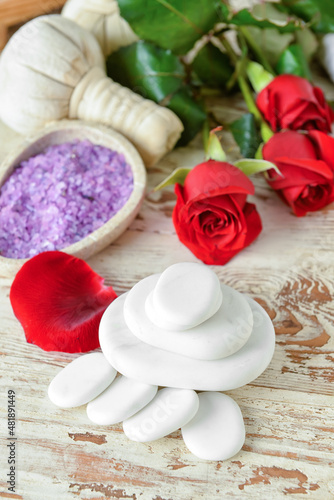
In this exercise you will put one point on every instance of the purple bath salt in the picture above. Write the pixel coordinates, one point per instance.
(61, 195)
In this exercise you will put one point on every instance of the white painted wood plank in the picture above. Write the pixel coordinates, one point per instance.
(288, 411)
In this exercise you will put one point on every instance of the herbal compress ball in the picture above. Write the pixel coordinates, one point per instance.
(52, 68)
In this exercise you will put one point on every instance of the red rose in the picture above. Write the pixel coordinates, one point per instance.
(291, 102)
(211, 216)
(306, 161)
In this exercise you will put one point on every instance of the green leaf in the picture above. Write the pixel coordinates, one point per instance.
(191, 113)
(258, 76)
(147, 69)
(308, 42)
(293, 62)
(158, 74)
(262, 15)
(271, 41)
(171, 24)
(177, 176)
(320, 13)
(250, 166)
(246, 135)
(258, 154)
(212, 66)
(214, 149)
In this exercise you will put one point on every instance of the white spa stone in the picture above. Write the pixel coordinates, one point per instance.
(81, 380)
(217, 431)
(122, 399)
(141, 361)
(218, 337)
(185, 295)
(167, 412)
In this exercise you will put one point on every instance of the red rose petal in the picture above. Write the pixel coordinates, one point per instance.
(215, 177)
(324, 146)
(59, 301)
(298, 172)
(294, 119)
(328, 111)
(290, 101)
(254, 223)
(307, 167)
(308, 198)
(291, 144)
(217, 227)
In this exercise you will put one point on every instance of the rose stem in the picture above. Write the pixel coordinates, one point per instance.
(266, 131)
(256, 49)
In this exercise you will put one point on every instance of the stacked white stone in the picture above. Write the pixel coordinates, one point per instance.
(186, 332)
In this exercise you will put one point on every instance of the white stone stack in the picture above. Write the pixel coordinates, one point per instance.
(183, 331)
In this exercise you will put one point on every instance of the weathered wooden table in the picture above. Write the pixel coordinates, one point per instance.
(288, 411)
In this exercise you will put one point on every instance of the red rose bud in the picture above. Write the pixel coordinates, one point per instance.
(59, 301)
(291, 102)
(211, 216)
(306, 162)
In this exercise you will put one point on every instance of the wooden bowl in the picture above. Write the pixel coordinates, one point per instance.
(68, 130)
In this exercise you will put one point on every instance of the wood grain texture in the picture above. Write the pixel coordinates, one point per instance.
(15, 11)
(288, 410)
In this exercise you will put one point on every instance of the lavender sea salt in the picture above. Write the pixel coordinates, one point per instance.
(61, 195)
